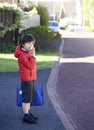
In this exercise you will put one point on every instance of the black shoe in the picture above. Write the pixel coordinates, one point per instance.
(32, 116)
(29, 120)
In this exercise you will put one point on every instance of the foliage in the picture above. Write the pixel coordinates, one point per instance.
(43, 12)
(18, 16)
(7, 48)
(91, 3)
(88, 10)
(44, 37)
(33, 11)
(44, 16)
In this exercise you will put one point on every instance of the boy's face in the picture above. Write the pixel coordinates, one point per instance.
(28, 45)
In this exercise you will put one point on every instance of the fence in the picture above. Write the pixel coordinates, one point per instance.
(8, 18)
(10, 38)
(30, 20)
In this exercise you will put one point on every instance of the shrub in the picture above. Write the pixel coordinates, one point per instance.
(10, 21)
(44, 37)
(7, 48)
(44, 15)
(15, 15)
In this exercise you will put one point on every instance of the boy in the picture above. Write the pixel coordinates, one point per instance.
(25, 52)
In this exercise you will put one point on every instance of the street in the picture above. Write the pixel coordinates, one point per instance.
(75, 84)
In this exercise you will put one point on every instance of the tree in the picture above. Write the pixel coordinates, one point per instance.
(44, 16)
(88, 12)
(91, 3)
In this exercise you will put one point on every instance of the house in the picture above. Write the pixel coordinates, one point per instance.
(9, 1)
(51, 6)
(74, 9)
(69, 8)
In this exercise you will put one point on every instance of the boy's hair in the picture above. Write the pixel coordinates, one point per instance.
(26, 38)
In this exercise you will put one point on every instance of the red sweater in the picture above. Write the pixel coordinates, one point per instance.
(27, 64)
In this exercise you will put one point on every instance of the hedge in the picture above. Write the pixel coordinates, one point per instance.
(45, 37)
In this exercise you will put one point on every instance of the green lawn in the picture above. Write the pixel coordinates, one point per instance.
(44, 60)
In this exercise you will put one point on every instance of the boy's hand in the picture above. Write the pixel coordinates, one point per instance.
(33, 51)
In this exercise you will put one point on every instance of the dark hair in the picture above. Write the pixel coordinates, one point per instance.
(26, 38)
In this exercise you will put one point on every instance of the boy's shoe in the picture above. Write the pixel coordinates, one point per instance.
(29, 120)
(32, 116)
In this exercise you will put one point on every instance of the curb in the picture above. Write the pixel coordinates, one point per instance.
(51, 89)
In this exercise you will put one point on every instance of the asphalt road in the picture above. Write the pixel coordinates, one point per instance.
(11, 115)
(75, 84)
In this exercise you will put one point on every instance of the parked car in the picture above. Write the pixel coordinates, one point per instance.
(54, 25)
(64, 22)
(77, 28)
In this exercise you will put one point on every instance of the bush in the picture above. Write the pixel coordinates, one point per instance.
(44, 15)
(7, 48)
(44, 37)
(13, 15)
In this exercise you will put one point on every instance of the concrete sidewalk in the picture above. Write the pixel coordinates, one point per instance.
(11, 115)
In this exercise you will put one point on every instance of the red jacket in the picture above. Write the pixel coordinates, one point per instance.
(27, 64)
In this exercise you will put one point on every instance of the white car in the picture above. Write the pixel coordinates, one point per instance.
(77, 28)
(54, 25)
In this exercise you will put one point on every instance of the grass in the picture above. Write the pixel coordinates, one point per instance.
(44, 60)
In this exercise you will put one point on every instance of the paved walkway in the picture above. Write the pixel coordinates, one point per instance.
(11, 115)
(70, 87)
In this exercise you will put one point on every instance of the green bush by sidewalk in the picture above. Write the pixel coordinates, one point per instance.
(7, 48)
(43, 12)
(45, 37)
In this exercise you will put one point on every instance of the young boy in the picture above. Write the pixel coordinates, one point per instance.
(25, 52)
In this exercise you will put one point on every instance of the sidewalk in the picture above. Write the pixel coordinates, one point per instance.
(11, 115)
